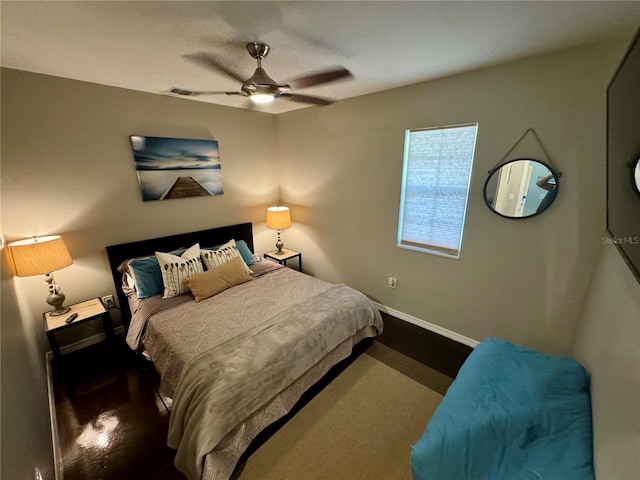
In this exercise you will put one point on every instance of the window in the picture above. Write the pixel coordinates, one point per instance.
(435, 186)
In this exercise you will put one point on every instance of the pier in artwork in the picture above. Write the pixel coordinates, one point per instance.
(185, 187)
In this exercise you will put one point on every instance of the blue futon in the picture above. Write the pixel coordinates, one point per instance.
(511, 413)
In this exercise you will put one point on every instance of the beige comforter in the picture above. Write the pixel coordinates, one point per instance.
(221, 387)
(260, 345)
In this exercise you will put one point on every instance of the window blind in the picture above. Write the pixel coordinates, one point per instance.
(435, 187)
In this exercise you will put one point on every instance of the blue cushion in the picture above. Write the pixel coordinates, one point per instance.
(511, 413)
(245, 253)
(243, 249)
(147, 275)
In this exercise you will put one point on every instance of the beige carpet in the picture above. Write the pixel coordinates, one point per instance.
(360, 427)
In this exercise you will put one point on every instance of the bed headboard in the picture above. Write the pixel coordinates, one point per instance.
(207, 238)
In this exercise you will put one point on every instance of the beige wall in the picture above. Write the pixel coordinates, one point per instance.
(67, 169)
(607, 344)
(25, 434)
(523, 280)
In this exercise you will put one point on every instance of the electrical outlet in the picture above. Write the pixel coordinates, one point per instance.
(108, 302)
(392, 282)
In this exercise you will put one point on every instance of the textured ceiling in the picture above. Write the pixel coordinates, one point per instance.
(141, 45)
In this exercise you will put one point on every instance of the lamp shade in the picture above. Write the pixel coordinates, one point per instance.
(38, 256)
(278, 217)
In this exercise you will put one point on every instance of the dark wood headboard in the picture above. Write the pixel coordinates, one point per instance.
(207, 238)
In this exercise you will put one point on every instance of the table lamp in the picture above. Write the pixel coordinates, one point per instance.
(278, 218)
(41, 256)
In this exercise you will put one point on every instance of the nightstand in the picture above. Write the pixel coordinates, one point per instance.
(89, 310)
(287, 255)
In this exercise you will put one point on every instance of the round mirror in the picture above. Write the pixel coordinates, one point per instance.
(636, 176)
(521, 188)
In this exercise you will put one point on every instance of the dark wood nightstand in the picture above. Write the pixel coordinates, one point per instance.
(286, 255)
(89, 310)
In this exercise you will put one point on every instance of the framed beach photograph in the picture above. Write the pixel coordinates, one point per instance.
(170, 168)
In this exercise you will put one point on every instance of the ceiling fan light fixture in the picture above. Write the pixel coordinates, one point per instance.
(262, 98)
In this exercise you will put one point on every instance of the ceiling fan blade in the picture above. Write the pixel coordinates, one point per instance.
(195, 93)
(326, 76)
(208, 92)
(305, 99)
(209, 61)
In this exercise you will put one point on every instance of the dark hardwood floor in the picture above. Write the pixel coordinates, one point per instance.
(438, 352)
(112, 422)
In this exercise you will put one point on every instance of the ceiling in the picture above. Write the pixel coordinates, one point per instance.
(141, 45)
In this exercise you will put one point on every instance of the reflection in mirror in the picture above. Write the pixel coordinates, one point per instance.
(521, 188)
(636, 176)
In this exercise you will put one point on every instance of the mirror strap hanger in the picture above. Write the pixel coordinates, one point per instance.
(552, 167)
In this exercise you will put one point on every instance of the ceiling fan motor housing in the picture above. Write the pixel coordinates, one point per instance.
(262, 83)
(258, 50)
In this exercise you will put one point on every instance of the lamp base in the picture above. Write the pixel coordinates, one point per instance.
(279, 245)
(57, 312)
(56, 300)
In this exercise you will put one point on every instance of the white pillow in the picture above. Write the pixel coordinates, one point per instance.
(220, 256)
(175, 269)
(129, 280)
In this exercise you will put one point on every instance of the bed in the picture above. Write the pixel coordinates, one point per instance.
(236, 361)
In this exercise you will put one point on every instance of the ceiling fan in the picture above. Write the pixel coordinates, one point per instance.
(259, 87)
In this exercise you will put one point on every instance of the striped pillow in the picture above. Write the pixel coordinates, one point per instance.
(175, 269)
(221, 255)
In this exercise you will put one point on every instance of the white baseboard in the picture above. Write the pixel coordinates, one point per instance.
(427, 325)
(57, 458)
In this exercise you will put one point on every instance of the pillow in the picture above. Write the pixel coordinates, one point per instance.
(128, 282)
(217, 279)
(145, 274)
(245, 253)
(175, 269)
(221, 255)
